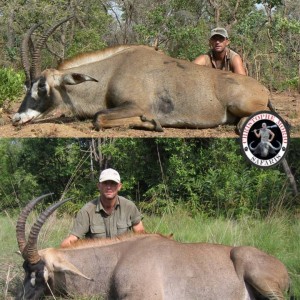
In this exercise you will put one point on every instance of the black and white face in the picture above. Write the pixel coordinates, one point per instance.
(35, 281)
(44, 94)
(37, 101)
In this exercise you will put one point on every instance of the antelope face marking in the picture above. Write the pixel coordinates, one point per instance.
(35, 281)
(36, 102)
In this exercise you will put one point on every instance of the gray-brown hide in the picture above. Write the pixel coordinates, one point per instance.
(138, 86)
(147, 266)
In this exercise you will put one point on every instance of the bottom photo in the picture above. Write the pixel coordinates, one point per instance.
(147, 218)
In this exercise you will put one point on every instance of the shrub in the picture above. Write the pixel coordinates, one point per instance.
(11, 85)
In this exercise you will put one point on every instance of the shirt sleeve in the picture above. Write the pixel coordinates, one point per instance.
(135, 216)
(81, 224)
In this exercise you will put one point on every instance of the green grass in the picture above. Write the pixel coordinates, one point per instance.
(278, 235)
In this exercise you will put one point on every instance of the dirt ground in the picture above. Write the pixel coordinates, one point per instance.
(286, 104)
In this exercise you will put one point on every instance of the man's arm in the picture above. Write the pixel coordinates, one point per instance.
(272, 135)
(68, 241)
(257, 133)
(200, 60)
(138, 228)
(238, 66)
(80, 228)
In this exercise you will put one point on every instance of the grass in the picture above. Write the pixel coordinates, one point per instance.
(277, 235)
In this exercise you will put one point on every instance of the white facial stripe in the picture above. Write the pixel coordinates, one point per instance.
(34, 91)
(32, 280)
(46, 274)
(33, 277)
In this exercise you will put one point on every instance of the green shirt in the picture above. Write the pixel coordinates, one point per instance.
(92, 221)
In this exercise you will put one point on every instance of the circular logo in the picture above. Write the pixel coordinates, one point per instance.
(264, 139)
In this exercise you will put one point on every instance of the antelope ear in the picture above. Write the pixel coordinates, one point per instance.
(64, 266)
(76, 78)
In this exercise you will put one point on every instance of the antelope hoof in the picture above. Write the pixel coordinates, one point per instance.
(157, 126)
(97, 121)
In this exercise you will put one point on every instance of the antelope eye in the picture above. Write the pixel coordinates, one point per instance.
(42, 86)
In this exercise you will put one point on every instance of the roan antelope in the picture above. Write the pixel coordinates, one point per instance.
(146, 266)
(136, 86)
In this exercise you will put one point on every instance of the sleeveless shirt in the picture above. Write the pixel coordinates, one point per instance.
(227, 63)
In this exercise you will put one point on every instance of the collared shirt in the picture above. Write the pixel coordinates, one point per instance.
(92, 220)
(226, 64)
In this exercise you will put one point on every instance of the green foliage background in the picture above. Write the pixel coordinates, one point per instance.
(207, 176)
(266, 33)
(11, 85)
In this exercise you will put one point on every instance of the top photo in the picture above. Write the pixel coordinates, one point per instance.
(147, 69)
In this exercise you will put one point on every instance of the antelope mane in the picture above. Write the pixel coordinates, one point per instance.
(91, 57)
(99, 242)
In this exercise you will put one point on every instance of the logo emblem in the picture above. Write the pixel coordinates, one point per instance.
(264, 139)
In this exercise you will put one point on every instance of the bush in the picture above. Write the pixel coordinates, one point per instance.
(11, 85)
(289, 84)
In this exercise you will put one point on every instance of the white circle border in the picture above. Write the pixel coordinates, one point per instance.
(268, 116)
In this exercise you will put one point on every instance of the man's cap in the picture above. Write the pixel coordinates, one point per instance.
(219, 31)
(109, 174)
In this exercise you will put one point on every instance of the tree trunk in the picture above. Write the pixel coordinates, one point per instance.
(10, 30)
(290, 176)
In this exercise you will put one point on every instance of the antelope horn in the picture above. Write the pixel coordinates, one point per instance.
(36, 56)
(30, 252)
(20, 228)
(25, 53)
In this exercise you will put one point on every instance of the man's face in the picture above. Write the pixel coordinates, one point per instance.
(109, 189)
(218, 43)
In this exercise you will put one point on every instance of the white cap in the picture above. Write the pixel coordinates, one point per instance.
(110, 174)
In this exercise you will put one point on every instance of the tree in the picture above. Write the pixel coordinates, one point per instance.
(180, 27)
(84, 33)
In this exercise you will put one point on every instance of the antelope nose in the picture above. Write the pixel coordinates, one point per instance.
(16, 118)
